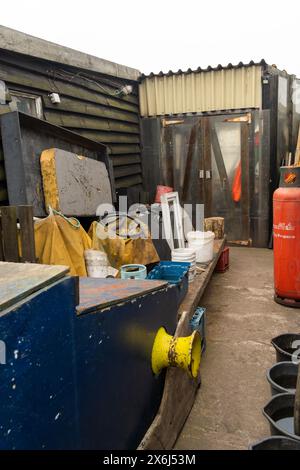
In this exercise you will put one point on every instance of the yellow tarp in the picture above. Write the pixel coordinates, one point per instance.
(59, 242)
(121, 250)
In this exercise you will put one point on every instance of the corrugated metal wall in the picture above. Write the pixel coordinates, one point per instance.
(198, 92)
(89, 106)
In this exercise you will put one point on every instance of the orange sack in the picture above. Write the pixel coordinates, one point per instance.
(237, 184)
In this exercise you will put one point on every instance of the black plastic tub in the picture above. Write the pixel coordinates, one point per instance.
(276, 443)
(285, 347)
(282, 377)
(280, 414)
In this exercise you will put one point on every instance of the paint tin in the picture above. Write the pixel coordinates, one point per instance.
(133, 271)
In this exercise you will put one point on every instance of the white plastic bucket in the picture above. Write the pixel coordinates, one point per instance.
(203, 243)
(186, 255)
(96, 263)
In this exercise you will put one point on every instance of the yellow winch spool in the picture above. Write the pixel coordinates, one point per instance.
(169, 351)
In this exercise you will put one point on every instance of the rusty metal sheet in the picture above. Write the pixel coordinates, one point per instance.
(97, 294)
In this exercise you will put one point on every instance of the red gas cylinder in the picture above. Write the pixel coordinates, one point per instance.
(286, 229)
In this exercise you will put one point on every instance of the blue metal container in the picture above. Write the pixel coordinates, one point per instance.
(81, 377)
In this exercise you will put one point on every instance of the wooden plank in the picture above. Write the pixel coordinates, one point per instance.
(180, 390)
(122, 149)
(34, 82)
(80, 121)
(83, 107)
(128, 181)
(121, 171)
(25, 216)
(108, 137)
(125, 160)
(18, 281)
(9, 233)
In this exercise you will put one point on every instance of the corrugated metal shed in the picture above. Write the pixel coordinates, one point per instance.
(198, 91)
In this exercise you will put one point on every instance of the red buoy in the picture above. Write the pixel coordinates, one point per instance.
(286, 233)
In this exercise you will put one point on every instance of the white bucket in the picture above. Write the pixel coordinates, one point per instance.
(96, 263)
(186, 255)
(203, 243)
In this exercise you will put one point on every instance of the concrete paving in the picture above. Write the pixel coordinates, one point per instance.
(242, 320)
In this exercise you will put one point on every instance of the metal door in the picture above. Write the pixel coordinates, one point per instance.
(206, 159)
(225, 171)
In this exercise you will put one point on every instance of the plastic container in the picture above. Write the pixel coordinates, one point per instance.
(96, 263)
(223, 263)
(160, 190)
(170, 271)
(280, 414)
(285, 346)
(133, 271)
(186, 255)
(276, 443)
(198, 323)
(203, 243)
(282, 377)
(174, 273)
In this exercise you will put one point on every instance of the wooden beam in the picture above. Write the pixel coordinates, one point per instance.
(122, 149)
(107, 137)
(84, 122)
(127, 170)
(9, 233)
(129, 181)
(25, 216)
(84, 107)
(125, 160)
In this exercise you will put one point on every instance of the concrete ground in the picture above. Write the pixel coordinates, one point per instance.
(242, 320)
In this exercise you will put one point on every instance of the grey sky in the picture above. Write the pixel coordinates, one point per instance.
(159, 35)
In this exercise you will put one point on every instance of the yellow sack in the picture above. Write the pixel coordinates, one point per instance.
(122, 251)
(59, 241)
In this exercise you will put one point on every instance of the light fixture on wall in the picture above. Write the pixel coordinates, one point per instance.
(125, 90)
(54, 97)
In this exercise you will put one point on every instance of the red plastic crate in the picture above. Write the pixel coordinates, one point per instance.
(223, 263)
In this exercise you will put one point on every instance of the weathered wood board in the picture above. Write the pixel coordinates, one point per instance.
(179, 390)
(19, 280)
(74, 184)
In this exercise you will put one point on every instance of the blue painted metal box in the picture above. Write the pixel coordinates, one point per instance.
(82, 379)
